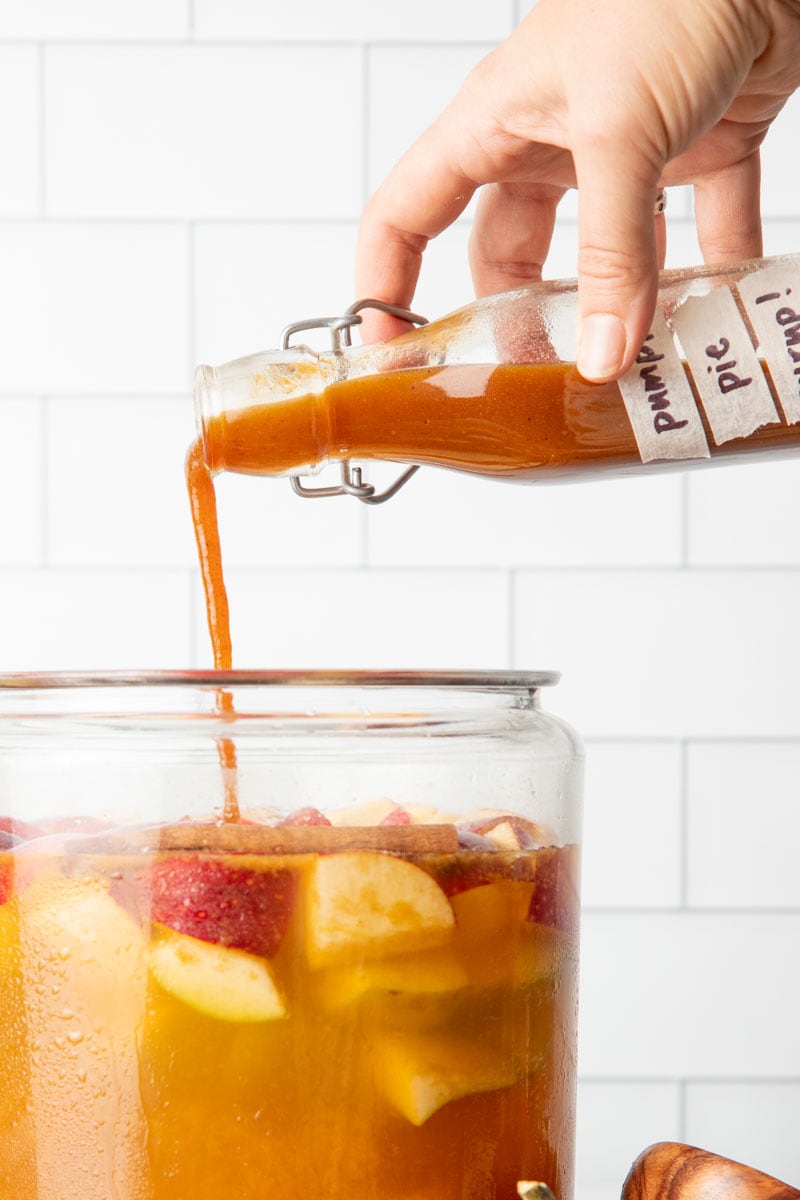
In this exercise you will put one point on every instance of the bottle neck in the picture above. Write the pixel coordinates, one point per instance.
(265, 415)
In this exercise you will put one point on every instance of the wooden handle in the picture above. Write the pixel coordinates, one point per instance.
(671, 1171)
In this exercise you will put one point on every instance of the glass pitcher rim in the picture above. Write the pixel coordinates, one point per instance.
(456, 680)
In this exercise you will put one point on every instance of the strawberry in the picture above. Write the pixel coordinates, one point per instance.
(398, 816)
(215, 901)
(19, 831)
(305, 816)
(555, 898)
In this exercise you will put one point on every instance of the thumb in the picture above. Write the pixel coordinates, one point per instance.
(617, 260)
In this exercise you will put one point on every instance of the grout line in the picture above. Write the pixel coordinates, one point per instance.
(190, 19)
(364, 538)
(366, 109)
(682, 1110)
(42, 137)
(693, 739)
(789, 1080)
(235, 220)
(439, 570)
(94, 569)
(136, 221)
(685, 529)
(700, 910)
(498, 568)
(191, 299)
(512, 617)
(45, 483)
(683, 889)
(191, 576)
(258, 42)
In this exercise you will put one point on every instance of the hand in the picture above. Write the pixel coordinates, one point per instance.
(617, 98)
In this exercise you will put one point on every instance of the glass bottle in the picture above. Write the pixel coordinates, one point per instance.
(493, 389)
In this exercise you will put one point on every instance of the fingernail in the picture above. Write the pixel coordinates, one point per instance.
(601, 347)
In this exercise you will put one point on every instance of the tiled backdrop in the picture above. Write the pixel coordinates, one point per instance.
(181, 179)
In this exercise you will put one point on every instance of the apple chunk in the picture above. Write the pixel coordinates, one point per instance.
(419, 1075)
(221, 982)
(369, 905)
(408, 978)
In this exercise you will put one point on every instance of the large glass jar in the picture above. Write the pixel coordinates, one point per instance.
(364, 987)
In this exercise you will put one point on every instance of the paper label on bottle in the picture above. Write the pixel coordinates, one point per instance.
(660, 402)
(725, 367)
(771, 299)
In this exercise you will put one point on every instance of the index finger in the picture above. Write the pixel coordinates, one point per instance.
(423, 194)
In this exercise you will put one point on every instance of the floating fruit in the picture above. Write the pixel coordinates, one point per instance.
(372, 905)
(219, 981)
(405, 978)
(215, 901)
(419, 1075)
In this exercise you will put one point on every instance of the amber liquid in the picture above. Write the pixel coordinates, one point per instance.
(441, 1073)
(529, 423)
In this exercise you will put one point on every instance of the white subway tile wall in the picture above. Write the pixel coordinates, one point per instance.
(182, 178)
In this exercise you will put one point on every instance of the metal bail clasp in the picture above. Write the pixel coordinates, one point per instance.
(352, 482)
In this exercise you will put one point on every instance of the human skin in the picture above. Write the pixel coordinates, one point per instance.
(618, 98)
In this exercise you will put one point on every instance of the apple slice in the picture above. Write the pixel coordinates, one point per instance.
(419, 1075)
(511, 832)
(221, 982)
(408, 978)
(499, 945)
(370, 812)
(215, 901)
(366, 905)
(491, 909)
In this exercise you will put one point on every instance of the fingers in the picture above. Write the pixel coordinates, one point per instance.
(617, 255)
(511, 235)
(727, 207)
(423, 194)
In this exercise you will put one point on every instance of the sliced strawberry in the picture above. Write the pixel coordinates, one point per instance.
(305, 816)
(398, 816)
(215, 901)
(555, 898)
(21, 831)
(67, 826)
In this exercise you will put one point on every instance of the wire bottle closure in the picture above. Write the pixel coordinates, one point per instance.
(352, 482)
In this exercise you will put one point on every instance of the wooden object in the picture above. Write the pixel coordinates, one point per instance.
(672, 1171)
